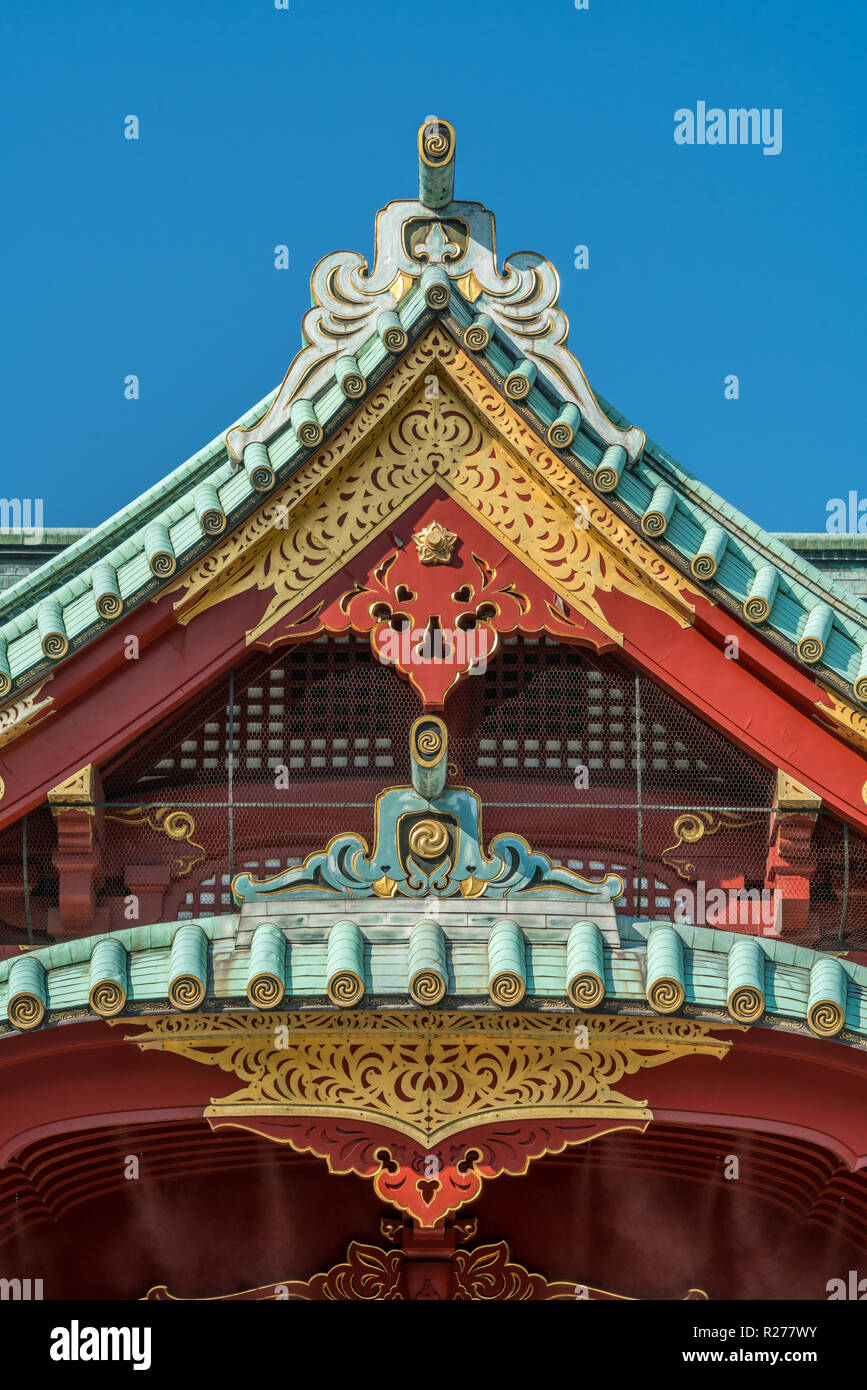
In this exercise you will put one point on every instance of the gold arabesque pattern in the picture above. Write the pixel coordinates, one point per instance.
(428, 1075)
(472, 444)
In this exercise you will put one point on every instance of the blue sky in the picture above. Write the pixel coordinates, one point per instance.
(262, 126)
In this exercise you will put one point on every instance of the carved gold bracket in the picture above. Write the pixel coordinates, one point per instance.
(20, 715)
(428, 1106)
(428, 1075)
(77, 790)
(792, 795)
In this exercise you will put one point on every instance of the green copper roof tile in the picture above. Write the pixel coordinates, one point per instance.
(133, 575)
(546, 969)
(235, 491)
(80, 614)
(185, 534)
(587, 450)
(25, 653)
(148, 972)
(205, 954)
(841, 653)
(85, 550)
(702, 938)
(856, 1008)
(68, 986)
(684, 532)
(773, 545)
(854, 546)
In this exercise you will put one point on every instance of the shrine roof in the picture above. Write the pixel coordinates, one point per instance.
(371, 956)
(435, 260)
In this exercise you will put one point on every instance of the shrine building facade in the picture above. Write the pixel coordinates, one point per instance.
(433, 839)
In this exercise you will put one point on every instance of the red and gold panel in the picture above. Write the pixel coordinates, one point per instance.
(428, 1105)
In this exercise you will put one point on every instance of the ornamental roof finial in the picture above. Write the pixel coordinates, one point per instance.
(436, 163)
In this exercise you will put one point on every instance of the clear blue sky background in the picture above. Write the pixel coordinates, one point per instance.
(261, 126)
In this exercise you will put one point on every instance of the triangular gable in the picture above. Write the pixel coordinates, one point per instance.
(473, 447)
(434, 370)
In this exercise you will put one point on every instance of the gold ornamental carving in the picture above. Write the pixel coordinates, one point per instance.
(76, 790)
(468, 441)
(370, 1273)
(428, 1075)
(693, 826)
(792, 795)
(428, 838)
(20, 715)
(164, 820)
(434, 544)
(846, 720)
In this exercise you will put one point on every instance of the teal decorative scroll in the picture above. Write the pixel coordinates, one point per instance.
(427, 844)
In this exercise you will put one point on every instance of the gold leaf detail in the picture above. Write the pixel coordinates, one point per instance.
(434, 544)
(470, 442)
(428, 1075)
(428, 838)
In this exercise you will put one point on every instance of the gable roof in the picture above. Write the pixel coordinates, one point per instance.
(435, 259)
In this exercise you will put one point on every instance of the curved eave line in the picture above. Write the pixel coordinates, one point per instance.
(792, 979)
(120, 541)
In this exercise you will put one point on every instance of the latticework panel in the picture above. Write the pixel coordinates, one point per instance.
(595, 765)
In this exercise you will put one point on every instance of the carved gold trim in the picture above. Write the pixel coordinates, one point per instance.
(428, 1075)
(471, 443)
(163, 820)
(22, 714)
(428, 838)
(76, 790)
(847, 721)
(434, 544)
(469, 286)
(693, 826)
(488, 1272)
(371, 1273)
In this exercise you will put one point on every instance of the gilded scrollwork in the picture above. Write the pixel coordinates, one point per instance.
(165, 820)
(460, 239)
(427, 1075)
(470, 443)
(693, 826)
(486, 1273)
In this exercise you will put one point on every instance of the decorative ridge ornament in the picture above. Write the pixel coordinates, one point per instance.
(428, 842)
(460, 240)
(436, 163)
(434, 544)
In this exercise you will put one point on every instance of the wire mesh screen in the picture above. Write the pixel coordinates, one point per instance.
(596, 766)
